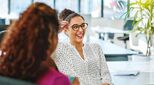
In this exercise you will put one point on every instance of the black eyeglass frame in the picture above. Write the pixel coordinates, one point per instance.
(76, 27)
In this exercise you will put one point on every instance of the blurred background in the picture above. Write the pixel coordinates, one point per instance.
(105, 18)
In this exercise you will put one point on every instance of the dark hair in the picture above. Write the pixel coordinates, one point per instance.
(28, 43)
(68, 14)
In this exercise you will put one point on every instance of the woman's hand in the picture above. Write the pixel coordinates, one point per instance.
(63, 25)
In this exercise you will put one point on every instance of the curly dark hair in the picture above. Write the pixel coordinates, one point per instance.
(29, 42)
(68, 14)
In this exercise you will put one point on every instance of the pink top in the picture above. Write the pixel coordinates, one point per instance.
(53, 77)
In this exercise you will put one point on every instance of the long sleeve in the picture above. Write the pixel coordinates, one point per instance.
(104, 72)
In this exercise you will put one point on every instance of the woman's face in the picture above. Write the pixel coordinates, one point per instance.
(76, 29)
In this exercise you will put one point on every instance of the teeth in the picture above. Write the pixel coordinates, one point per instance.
(79, 35)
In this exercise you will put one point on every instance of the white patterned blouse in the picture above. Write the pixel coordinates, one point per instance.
(92, 70)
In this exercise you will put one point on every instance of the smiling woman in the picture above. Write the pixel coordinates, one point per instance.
(75, 58)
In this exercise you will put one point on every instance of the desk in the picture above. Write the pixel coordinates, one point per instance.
(114, 52)
(145, 77)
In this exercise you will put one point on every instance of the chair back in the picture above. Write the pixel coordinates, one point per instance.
(128, 25)
(2, 35)
(2, 21)
(3, 27)
(12, 81)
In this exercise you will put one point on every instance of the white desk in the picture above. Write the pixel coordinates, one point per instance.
(145, 77)
(113, 49)
(114, 52)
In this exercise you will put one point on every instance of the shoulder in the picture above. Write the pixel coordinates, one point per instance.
(59, 78)
(63, 45)
(62, 51)
(94, 45)
(52, 77)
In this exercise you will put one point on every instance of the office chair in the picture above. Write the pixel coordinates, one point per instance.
(3, 29)
(12, 81)
(111, 37)
(2, 35)
(127, 26)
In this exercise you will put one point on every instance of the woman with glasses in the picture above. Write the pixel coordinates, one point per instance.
(76, 58)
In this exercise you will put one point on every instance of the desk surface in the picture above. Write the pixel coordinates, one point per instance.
(114, 52)
(142, 66)
(143, 78)
(113, 49)
(145, 69)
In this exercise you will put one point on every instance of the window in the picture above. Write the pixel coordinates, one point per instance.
(96, 8)
(3, 8)
(48, 2)
(86, 6)
(18, 6)
(70, 4)
(114, 9)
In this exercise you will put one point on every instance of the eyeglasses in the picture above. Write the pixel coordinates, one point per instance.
(76, 27)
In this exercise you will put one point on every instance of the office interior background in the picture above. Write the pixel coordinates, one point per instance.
(124, 51)
(105, 18)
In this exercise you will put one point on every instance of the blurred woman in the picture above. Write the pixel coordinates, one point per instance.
(27, 45)
(75, 58)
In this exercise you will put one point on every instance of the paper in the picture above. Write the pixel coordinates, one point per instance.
(126, 73)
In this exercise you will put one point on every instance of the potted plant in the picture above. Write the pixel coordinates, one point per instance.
(142, 12)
